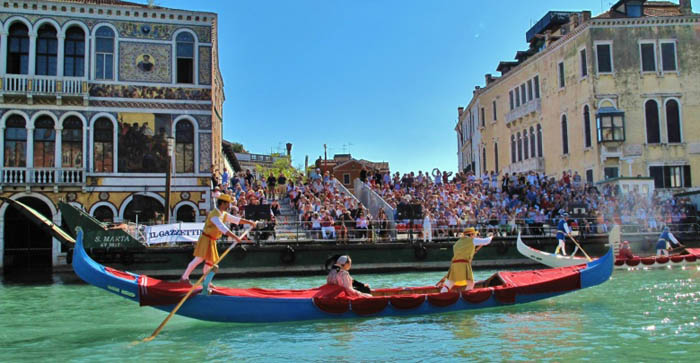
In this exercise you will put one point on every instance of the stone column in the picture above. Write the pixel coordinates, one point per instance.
(3, 52)
(32, 55)
(60, 55)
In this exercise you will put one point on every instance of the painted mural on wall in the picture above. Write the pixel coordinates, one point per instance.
(205, 65)
(204, 152)
(143, 147)
(149, 92)
(145, 62)
(204, 121)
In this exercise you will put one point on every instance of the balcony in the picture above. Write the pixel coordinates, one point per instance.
(531, 164)
(40, 86)
(534, 106)
(42, 177)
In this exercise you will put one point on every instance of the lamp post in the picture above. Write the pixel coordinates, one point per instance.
(168, 175)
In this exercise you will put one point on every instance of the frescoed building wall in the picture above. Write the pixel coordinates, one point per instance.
(91, 92)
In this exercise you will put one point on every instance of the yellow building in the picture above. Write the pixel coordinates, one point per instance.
(616, 95)
(98, 100)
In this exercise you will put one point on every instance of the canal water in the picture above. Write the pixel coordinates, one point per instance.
(636, 316)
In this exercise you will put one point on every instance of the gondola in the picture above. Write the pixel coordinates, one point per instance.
(255, 305)
(691, 257)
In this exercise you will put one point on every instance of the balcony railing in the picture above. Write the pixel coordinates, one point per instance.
(524, 109)
(44, 85)
(43, 176)
(531, 164)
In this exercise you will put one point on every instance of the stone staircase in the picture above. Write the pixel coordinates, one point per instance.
(287, 221)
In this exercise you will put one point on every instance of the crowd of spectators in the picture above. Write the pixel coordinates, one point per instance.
(527, 202)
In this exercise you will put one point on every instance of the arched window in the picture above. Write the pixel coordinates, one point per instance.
(145, 208)
(185, 214)
(520, 148)
(44, 143)
(564, 136)
(495, 157)
(184, 147)
(72, 143)
(673, 121)
(586, 126)
(18, 49)
(512, 149)
(104, 145)
(483, 162)
(46, 51)
(103, 213)
(533, 144)
(104, 53)
(74, 53)
(15, 142)
(185, 57)
(526, 146)
(539, 141)
(651, 111)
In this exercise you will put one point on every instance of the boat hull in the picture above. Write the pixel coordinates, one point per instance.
(259, 305)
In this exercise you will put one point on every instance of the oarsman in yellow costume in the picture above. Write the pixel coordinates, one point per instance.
(214, 228)
(460, 276)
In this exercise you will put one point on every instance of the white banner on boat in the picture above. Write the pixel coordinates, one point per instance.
(170, 233)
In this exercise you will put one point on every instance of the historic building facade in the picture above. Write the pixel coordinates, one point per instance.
(615, 95)
(98, 99)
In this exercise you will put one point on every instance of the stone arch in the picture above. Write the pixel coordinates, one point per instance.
(8, 23)
(183, 203)
(53, 22)
(130, 198)
(7, 115)
(30, 124)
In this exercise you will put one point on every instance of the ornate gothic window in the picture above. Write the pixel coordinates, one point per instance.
(46, 51)
(104, 53)
(184, 147)
(18, 49)
(74, 53)
(15, 142)
(72, 143)
(185, 58)
(44, 143)
(103, 146)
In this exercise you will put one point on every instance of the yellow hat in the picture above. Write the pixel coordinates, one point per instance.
(470, 230)
(225, 197)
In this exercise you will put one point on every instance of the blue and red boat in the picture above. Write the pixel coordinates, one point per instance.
(331, 302)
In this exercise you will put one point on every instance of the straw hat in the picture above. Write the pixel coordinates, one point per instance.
(470, 230)
(225, 197)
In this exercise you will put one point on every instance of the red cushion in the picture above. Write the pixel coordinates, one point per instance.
(662, 259)
(476, 296)
(332, 305)
(619, 262)
(369, 305)
(444, 299)
(407, 302)
(676, 259)
(648, 260)
(633, 261)
(691, 258)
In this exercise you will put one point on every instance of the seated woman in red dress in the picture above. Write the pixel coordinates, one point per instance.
(625, 251)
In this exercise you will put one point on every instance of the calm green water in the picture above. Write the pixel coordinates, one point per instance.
(636, 316)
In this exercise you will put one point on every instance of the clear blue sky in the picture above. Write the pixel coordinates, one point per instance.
(381, 79)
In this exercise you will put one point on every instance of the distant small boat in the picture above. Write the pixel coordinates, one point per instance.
(691, 257)
(546, 258)
(330, 301)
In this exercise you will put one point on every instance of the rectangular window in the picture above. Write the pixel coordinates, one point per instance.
(529, 90)
(648, 56)
(584, 63)
(589, 176)
(523, 94)
(495, 116)
(668, 57)
(562, 79)
(537, 86)
(604, 57)
(483, 117)
(611, 172)
(611, 127)
(346, 179)
(517, 97)
(671, 176)
(512, 106)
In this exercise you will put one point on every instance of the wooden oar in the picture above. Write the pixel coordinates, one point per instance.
(199, 282)
(580, 248)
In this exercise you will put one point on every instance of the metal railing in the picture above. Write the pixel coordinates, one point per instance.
(42, 176)
(374, 202)
(378, 231)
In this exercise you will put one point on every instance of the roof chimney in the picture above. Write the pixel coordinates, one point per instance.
(686, 7)
(586, 16)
